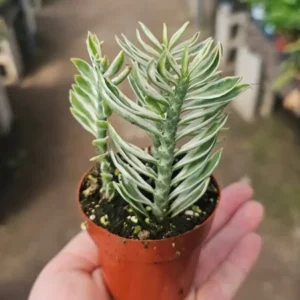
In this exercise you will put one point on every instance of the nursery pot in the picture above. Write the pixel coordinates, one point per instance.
(283, 39)
(149, 269)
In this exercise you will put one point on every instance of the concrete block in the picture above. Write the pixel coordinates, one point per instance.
(231, 31)
(249, 67)
(10, 57)
(268, 99)
(10, 67)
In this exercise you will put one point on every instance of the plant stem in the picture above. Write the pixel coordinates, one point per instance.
(166, 151)
(105, 166)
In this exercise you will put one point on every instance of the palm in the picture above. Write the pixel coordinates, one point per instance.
(227, 256)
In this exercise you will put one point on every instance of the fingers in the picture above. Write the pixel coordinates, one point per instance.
(232, 198)
(80, 254)
(245, 220)
(72, 274)
(225, 281)
(98, 279)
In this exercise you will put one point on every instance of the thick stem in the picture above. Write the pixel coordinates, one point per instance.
(105, 166)
(166, 151)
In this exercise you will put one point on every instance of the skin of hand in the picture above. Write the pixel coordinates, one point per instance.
(228, 255)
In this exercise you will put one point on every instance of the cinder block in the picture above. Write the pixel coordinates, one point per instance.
(249, 67)
(10, 58)
(9, 67)
(231, 31)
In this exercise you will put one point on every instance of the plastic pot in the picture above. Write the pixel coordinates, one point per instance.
(150, 269)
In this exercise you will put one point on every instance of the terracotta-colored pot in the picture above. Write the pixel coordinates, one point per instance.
(283, 39)
(151, 269)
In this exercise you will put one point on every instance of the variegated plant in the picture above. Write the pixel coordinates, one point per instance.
(87, 105)
(178, 93)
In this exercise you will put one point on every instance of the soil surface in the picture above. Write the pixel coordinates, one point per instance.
(119, 218)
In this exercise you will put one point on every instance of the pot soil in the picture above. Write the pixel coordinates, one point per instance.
(145, 259)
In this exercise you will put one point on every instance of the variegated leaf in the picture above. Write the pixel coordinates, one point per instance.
(185, 201)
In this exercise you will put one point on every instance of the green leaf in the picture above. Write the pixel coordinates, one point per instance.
(138, 93)
(173, 64)
(135, 162)
(115, 66)
(202, 137)
(147, 47)
(122, 76)
(94, 47)
(215, 89)
(83, 121)
(102, 124)
(130, 173)
(134, 192)
(162, 70)
(150, 36)
(98, 158)
(136, 50)
(104, 64)
(107, 111)
(130, 148)
(177, 35)
(197, 125)
(195, 178)
(82, 106)
(198, 114)
(90, 100)
(195, 154)
(202, 54)
(133, 116)
(185, 62)
(85, 69)
(189, 170)
(86, 86)
(136, 205)
(194, 50)
(152, 74)
(207, 66)
(189, 43)
(165, 35)
(100, 142)
(147, 89)
(153, 105)
(223, 100)
(130, 53)
(128, 104)
(182, 203)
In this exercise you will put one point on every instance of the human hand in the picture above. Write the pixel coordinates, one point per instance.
(228, 255)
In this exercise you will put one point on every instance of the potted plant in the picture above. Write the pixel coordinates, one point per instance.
(290, 67)
(288, 82)
(283, 16)
(149, 210)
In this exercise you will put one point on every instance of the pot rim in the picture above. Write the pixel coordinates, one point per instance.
(103, 230)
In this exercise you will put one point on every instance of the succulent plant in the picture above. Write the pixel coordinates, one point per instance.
(87, 105)
(178, 94)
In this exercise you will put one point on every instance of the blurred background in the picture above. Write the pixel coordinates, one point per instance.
(43, 151)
